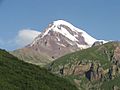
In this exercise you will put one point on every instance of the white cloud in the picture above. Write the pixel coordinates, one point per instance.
(25, 37)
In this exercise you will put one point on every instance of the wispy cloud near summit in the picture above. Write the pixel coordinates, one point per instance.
(23, 38)
(26, 36)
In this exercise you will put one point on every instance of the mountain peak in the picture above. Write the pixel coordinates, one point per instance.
(62, 22)
(59, 23)
(71, 34)
(58, 39)
(69, 31)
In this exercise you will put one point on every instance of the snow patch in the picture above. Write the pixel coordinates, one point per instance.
(83, 46)
(58, 39)
(103, 41)
(75, 35)
(61, 45)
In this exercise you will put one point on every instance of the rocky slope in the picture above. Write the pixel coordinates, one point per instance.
(92, 68)
(18, 75)
(58, 39)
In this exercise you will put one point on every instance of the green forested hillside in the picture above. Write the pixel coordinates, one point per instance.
(95, 68)
(18, 75)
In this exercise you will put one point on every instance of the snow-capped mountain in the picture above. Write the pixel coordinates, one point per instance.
(58, 39)
(61, 30)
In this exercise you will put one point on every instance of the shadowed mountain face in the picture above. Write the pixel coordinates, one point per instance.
(58, 39)
(95, 68)
(18, 75)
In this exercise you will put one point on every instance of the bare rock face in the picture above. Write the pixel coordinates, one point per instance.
(58, 39)
(117, 55)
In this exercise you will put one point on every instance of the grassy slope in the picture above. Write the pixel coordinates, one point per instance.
(31, 57)
(18, 75)
(94, 54)
(108, 85)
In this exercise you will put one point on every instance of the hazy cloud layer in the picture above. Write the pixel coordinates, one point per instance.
(25, 37)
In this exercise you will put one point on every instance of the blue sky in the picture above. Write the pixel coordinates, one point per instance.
(99, 18)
